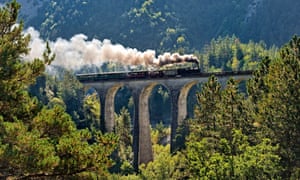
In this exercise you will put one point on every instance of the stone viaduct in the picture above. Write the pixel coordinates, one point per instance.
(141, 89)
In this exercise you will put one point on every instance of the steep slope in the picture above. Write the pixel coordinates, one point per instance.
(165, 25)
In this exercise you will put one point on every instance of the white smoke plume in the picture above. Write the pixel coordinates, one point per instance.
(168, 58)
(79, 51)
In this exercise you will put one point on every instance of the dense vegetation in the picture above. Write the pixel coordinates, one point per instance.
(38, 140)
(50, 129)
(166, 25)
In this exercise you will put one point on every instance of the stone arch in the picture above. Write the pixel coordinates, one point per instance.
(145, 96)
(160, 105)
(182, 101)
(109, 110)
(124, 99)
(179, 114)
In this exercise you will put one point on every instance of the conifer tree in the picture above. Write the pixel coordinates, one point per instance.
(231, 109)
(92, 111)
(39, 142)
(220, 144)
(15, 75)
(205, 122)
(278, 97)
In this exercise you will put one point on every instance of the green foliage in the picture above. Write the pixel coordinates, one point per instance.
(70, 90)
(65, 90)
(15, 75)
(228, 53)
(222, 142)
(163, 93)
(52, 146)
(92, 111)
(275, 90)
(207, 100)
(40, 142)
(244, 137)
(123, 129)
(153, 19)
(25, 151)
(55, 9)
(160, 134)
(77, 155)
(256, 86)
(259, 161)
(165, 165)
(231, 112)
(147, 23)
(53, 123)
(219, 160)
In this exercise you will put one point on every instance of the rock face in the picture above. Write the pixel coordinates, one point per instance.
(252, 9)
(29, 8)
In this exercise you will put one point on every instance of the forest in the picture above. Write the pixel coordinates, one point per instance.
(50, 127)
(169, 25)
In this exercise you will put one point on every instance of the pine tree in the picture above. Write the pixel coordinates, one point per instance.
(39, 142)
(207, 107)
(278, 106)
(256, 86)
(227, 151)
(123, 129)
(92, 111)
(231, 109)
(15, 74)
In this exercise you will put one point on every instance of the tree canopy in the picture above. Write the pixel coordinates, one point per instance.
(38, 141)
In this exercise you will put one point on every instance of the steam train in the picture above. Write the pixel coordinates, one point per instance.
(161, 74)
(166, 72)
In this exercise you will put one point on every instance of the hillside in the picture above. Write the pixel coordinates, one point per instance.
(165, 25)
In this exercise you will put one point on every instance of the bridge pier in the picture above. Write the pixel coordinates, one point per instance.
(102, 99)
(142, 119)
(136, 129)
(174, 123)
(142, 146)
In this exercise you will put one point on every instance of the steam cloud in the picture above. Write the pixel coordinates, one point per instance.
(78, 51)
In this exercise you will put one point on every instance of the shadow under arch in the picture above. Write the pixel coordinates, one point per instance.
(160, 106)
(178, 131)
